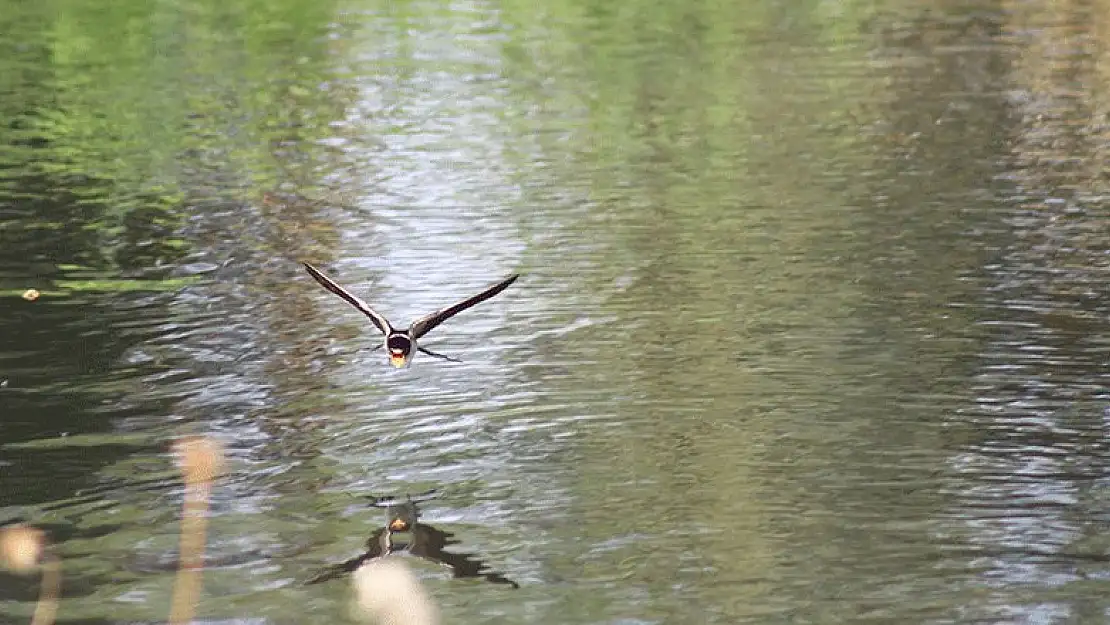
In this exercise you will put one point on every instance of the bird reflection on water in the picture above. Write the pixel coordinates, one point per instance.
(404, 533)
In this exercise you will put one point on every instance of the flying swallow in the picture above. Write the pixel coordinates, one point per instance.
(401, 344)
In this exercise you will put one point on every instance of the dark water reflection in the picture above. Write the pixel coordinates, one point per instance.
(812, 328)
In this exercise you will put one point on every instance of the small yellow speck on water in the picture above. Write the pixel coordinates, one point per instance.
(31, 295)
(21, 548)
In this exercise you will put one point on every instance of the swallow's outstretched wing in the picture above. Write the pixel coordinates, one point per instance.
(425, 324)
(384, 502)
(429, 543)
(379, 321)
(373, 550)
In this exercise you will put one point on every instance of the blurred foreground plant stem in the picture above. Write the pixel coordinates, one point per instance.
(23, 550)
(48, 595)
(199, 459)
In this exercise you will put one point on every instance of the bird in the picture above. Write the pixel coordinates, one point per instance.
(401, 344)
(405, 533)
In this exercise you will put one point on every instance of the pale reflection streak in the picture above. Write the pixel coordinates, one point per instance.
(439, 218)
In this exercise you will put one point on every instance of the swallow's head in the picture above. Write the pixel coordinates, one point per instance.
(399, 347)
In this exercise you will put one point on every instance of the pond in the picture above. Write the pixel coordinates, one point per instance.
(812, 325)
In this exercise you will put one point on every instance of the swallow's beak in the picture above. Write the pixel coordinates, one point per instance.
(398, 360)
(398, 525)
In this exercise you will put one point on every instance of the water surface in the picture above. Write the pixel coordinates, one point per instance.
(812, 327)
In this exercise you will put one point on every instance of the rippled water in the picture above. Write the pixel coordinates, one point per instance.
(812, 328)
